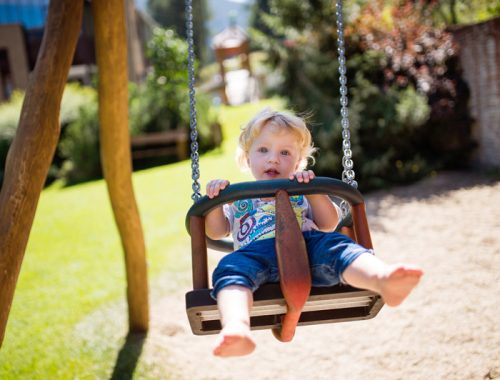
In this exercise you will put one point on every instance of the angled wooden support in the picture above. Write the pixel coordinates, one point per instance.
(293, 263)
(34, 145)
(111, 55)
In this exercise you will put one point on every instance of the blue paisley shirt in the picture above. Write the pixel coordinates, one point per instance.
(254, 219)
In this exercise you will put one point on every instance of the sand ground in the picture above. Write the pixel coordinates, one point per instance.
(449, 328)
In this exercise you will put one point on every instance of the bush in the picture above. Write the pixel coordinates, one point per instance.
(162, 104)
(74, 98)
(79, 146)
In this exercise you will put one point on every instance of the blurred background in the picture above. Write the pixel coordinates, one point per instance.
(423, 87)
(421, 78)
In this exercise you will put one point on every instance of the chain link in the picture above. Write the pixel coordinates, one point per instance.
(348, 175)
(195, 157)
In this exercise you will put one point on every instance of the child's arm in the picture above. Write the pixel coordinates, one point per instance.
(324, 212)
(216, 223)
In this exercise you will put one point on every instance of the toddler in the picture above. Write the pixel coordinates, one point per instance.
(278, 145)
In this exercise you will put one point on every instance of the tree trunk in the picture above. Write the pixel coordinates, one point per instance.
(111, 54)
(33, 148)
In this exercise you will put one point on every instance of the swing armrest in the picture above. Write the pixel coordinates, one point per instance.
(263, 189)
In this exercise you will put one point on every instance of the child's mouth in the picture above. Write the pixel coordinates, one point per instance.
(272, 173)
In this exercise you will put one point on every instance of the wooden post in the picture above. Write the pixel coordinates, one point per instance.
(219, 56)
(111, 55)
(33, 147)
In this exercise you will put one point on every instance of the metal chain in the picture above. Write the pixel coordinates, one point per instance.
(195, 157)
(348, 174)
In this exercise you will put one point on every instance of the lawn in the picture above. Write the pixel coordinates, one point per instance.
(71, 289)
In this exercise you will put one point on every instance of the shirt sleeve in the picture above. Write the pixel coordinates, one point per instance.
(339, 213)
(229, 213)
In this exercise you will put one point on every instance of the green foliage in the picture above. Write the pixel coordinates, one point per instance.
(459, 12)
(10, 112)
(75, 98)
(408, 103)
(170, 14)
(162, 103)
(164, 95)
(79, 146)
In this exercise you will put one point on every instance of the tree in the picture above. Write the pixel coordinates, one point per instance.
(171, 14)
(457, 12)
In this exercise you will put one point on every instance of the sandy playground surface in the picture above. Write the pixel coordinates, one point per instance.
(449, 328)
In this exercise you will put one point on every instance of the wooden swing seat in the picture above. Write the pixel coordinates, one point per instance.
(338, 303)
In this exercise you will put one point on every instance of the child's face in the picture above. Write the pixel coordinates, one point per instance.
(275, 153)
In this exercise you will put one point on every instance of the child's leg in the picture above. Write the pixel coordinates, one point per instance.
(393, 282)
(234, 304)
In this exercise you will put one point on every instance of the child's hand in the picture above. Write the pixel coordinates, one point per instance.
(303, 176)
(215, 186)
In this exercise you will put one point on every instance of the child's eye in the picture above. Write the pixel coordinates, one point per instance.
(285, 153)
(262, 149)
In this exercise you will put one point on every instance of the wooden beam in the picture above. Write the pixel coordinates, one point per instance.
(111, 55)
(33, 148)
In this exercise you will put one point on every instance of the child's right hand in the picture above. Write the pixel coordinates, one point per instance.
(215, 186)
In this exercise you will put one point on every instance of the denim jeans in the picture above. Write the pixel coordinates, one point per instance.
(330, 253)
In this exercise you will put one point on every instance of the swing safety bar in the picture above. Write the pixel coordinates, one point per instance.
(264, 189)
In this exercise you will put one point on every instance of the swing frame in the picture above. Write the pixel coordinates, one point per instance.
(339, 303)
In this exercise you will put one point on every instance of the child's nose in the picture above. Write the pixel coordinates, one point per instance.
(273, 157)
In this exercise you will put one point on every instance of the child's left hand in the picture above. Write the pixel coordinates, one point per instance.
(303, 176)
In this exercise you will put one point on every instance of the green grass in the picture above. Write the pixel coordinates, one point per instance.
(64, 322)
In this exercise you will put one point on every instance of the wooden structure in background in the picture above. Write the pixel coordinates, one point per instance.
(36, 139)
(231, 42)
(157, 144)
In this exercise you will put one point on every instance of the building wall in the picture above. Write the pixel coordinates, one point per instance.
(12, 42)
(480, 59)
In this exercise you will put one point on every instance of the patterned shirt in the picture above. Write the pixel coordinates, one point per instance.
(254, 219)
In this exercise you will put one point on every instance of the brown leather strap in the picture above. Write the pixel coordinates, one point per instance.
(293, 263)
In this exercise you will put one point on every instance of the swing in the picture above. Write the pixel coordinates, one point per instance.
(293, 302)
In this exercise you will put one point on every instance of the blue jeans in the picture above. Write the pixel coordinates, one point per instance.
(330, 253)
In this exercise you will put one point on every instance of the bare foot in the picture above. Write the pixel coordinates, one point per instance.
(398, 283)
(234, 340)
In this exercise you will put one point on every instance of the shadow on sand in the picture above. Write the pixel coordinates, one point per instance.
(128, 356)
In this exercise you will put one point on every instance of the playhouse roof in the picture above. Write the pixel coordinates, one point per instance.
(231, 37)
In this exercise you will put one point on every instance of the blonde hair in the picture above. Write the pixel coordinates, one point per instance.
(281, 121)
